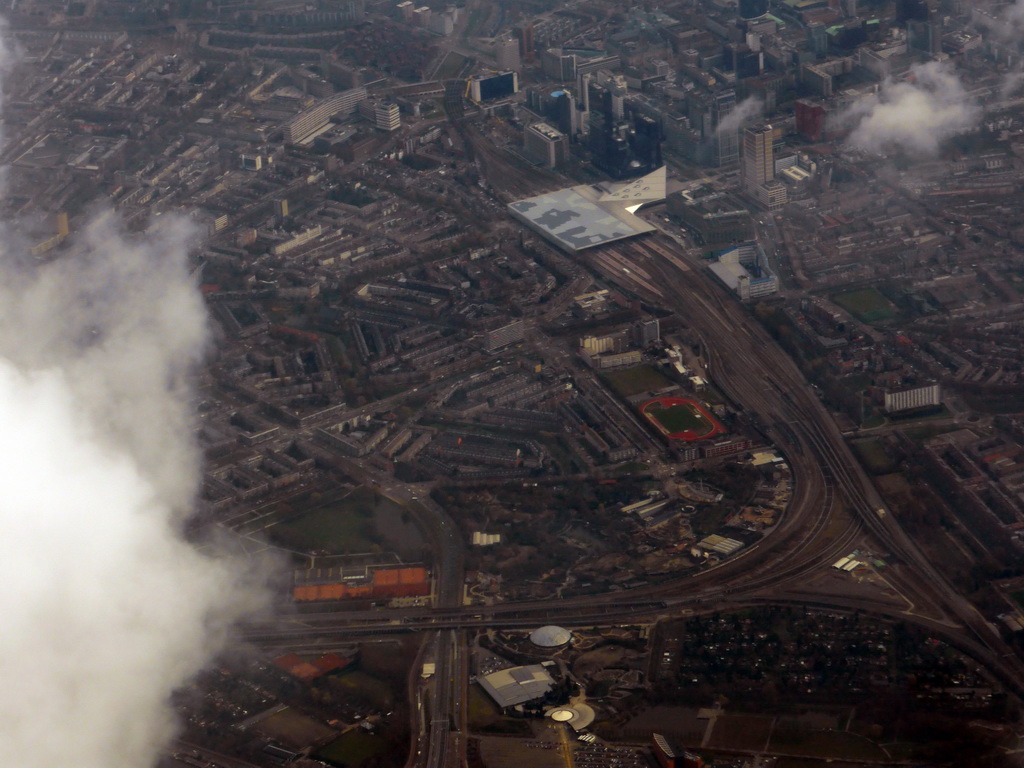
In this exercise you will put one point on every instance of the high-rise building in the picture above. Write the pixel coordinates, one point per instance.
(493, 86)
(758, 162)
(916, 397)
(558, 65)
(751, 9)
(646, 332)
(387, 117)
(727, 137)
(524, 34)
(546, 145)
(817, 38)
(772, 194)
(405, 10)
(583, 86)
(443, 22)
(926, 34)
(619, 90)
(506, 52)
(812, 119)
(567, 114)
(664, 752)
(743, 61)
(421, 16)
(907, 10)
(621, 146)
(645, 144)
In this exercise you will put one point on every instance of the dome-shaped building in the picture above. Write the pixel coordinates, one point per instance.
(550, 636)
(578, 716)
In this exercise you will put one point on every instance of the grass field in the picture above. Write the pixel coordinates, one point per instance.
(375, 691)
(354, 748)
(876, 419)
(482, 711)
(681, 418)
(873, 456)
(334, 524)
(330, 530)
(837, 745)
(741, 732)
(866, 304)
(708, 520)
(921, 432)
(634, 381)
(294, 728)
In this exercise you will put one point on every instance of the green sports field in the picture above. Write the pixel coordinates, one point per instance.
(866, 304)
(680, 418)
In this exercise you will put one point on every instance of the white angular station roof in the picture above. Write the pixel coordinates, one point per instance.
(592, 214)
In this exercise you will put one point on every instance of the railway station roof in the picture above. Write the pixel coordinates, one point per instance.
(592, 214)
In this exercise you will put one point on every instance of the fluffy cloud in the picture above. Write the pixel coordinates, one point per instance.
(914, 116)
(748, 109)
(106, 608)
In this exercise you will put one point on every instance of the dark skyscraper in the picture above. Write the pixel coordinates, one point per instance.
(621, 147)
(817, 38)
(751, 9)
(524, 33)
(727, 142)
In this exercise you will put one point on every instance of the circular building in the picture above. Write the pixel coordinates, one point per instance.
(550, 636)
(577, 717)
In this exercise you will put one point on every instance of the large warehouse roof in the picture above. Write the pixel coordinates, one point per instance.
(592, 214)
(516, 685)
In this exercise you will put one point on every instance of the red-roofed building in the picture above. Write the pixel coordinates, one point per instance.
(386, 583)
(306, 672)
(331, 662)
(287, 662)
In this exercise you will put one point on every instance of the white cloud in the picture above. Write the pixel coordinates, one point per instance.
(1013, 20)
(913, 116)
(106, 608)
(748, 109)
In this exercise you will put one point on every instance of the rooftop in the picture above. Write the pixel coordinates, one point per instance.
(592, 214)
(550, 636)
(509, 687)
